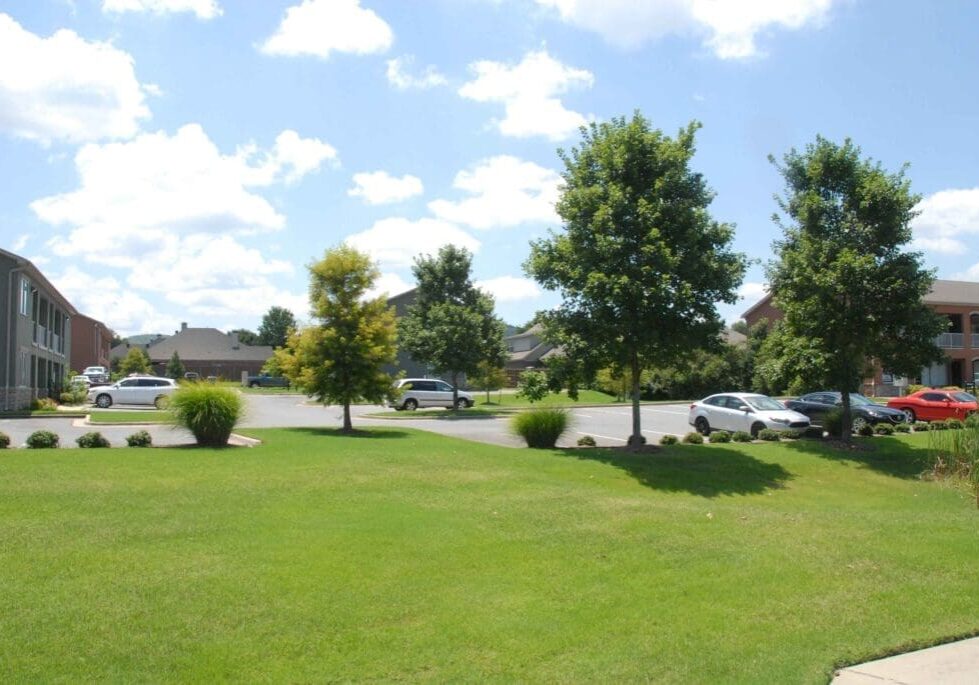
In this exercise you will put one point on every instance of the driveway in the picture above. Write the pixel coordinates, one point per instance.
(609, 425)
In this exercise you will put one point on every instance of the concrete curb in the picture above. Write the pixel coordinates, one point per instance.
(953, 663)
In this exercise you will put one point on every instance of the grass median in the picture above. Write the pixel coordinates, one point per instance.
(134, 416)
(401, 555)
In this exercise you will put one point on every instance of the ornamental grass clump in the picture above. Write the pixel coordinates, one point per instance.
(955, 454)
(540, 427)
(210, 412)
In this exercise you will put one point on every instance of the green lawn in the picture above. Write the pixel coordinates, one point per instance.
(136, 416)
(552, 400)
(402, 555)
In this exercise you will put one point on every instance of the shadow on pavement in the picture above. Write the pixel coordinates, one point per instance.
(706, 472)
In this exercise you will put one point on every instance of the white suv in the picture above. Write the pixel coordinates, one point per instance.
(428, 392)
(134, 390)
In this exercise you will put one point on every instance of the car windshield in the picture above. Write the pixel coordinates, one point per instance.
(963, 397)
(764, 403)
(858, 400)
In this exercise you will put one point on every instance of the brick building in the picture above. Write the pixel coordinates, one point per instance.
(91, 342)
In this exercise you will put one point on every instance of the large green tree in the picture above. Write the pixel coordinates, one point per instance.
(341, 358)
(640, 263)
(451, 326)
(175, 367)
(135, 361)
(275, 327)
(849, 288)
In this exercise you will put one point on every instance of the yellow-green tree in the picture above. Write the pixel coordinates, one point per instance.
(340, 359)
(135, 361)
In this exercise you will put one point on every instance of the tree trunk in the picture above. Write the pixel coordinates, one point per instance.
(455, 390)
(847, 428)
(347, 425)
(636, 438)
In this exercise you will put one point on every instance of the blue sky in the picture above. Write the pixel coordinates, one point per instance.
(183, 160)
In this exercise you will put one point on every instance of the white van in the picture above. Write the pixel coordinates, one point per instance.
(428, 392)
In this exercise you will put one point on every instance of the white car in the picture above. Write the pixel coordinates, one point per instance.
(743, 411)
(150, 390)
(428, 392)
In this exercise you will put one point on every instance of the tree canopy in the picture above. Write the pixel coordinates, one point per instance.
(452, 326)
(640, 263)
(849, 289)
(340, 359)
(175, 367)
(135, 361)
(275, 327)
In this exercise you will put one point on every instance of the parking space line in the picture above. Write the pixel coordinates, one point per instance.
(603, 437)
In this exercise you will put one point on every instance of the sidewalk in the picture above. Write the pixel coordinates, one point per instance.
(955, 663)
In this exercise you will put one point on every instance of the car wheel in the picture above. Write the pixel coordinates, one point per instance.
(162, 402)
(702, 426)
(858, 423)
(756, 428)
(463, 403)
(909, 414)
(103, 401)
(411, 404)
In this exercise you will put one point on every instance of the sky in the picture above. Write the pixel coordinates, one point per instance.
(168, 161)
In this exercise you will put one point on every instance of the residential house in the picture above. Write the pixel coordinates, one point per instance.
(405, 365)
(142, 341)
(209, 352)
(36, 333)
(91, 342)
(527, 351)
(957, 300)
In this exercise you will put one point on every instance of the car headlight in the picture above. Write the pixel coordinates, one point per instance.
(873, 414)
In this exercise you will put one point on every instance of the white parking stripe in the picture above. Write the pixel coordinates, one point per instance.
(604, 437)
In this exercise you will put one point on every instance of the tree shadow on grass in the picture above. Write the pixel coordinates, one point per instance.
(885, 455)
(371, 433)
(707, 472)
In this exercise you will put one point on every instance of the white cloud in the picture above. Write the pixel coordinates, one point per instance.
(380, 187)
(319, 27)
(505, 191)
(21, 242)
(752, 292)
(389, 284)
(204, 9)
(396, 241)
(946, 221)
(528, 92)
(245, 304)
(510, 288)
(135, 198)
(728, 28)
(399, 76)
(66, 88)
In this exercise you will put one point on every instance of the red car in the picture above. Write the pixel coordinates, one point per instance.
(935, 405)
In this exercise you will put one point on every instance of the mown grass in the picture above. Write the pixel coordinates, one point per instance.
(399, 555)
(135, 416)
(509, 399)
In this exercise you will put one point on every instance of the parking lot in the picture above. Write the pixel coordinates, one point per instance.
(609, 425)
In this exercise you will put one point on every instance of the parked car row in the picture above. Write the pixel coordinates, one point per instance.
(751, 412)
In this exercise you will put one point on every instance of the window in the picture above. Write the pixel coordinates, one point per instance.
(715, 401)
(934, 397)
(25, 296)
(425, 386)
(129, 383)
(443, 387)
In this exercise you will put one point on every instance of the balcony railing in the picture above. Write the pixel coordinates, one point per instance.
(951, 341)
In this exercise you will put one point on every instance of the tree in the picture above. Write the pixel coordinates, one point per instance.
(533, 385)
(489, 377)
(276, 324)
(340, 359)
(175, 367)
(135, 361)
(451, 326)
(849, 289)
(640, 263)
(247, 337)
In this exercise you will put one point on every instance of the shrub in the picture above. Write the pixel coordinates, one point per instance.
(210, 412)
(884, 429)
(769, 435)
(972, 421)
(693, 438)
(532, 386)
(913, 388)
(742, 436)
(792, 434)
(954, 424)
(43, 440)
(937, 426)
(4, 441)
(720, 436)
(866, 430)
(668, 440)
(586, 441)
(540, 427)
(91, 440)
(833, 422)
(140, 439)
(902, 428)
(43, 404)
(75, 394)
(813, 433)
(920, 426)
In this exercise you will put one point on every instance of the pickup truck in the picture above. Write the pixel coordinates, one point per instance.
(266, 381)
(97, 375)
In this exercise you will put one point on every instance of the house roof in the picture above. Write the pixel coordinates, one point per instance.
(206, 344)
(732, 337)
(31, 270)
(535, 330)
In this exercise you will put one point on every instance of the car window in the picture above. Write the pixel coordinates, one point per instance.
(934, 397)
(764, 403)
(859, 400)
(716, 401)
(443, 387)
(963, 397)
(426, 386)
(407, 386)
(129, 383)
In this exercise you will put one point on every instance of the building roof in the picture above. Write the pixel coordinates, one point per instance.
(964, 293)
(35, 273)
(535, 330)
(145, 338)
(207, 344)
(732, 337)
